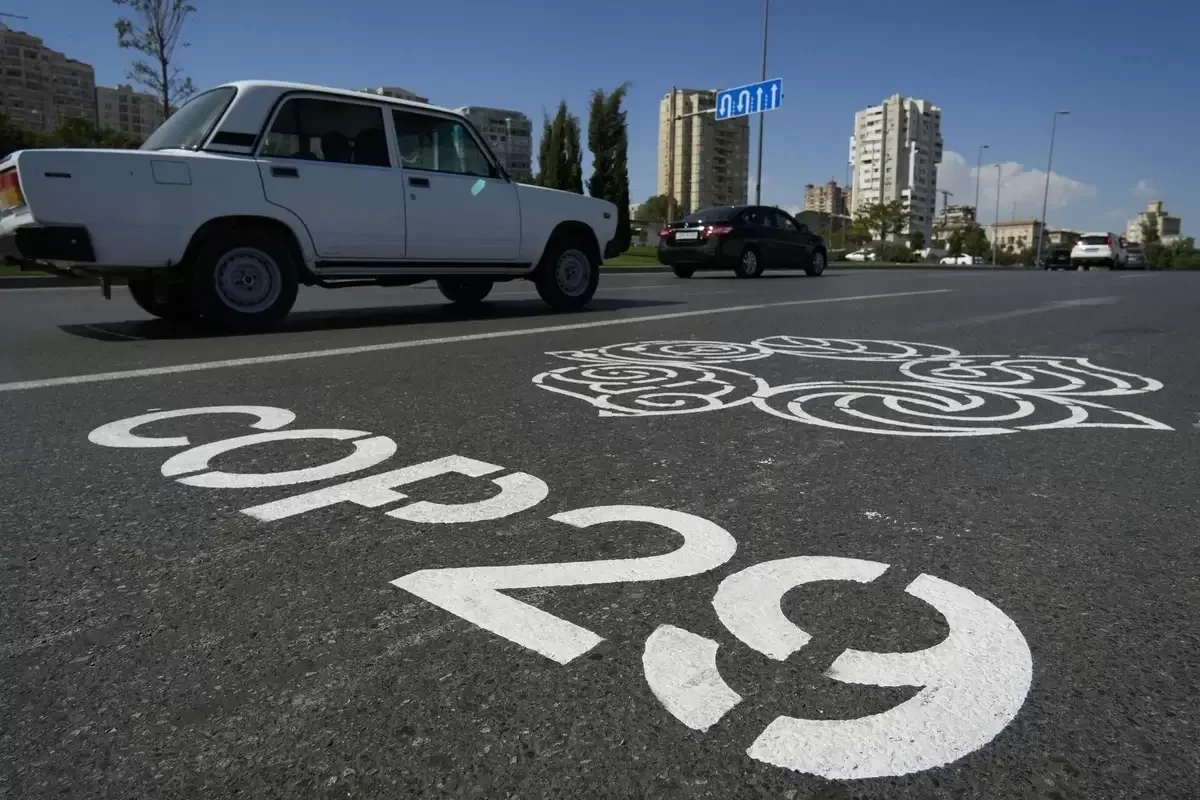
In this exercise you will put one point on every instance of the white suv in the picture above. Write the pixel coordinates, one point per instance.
(255, 187)
(1098, 249)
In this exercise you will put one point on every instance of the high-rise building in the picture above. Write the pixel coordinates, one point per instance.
(708, 163)
(135, 114)
(1168, 227)
(510, 135)
(397, 92)
(828, 198)
(894, 154)
(39, 86)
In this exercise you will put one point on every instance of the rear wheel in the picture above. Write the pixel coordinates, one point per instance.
(244, 278)
(817, 265)
(465, 291)
(683, 272)
(176, 308)
(749, 264)
(569, 273)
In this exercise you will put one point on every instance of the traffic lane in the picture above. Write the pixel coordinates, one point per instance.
(59, 332)
(320, 661)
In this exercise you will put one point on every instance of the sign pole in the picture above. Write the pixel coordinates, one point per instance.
(762, 118)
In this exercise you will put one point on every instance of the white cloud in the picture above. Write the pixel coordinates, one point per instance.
(1143, 188)
(1018, 185)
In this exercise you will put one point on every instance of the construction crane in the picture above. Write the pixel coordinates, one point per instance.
(945, 199)
(14, 16)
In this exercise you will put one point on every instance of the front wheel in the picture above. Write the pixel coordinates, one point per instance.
(816, 265)
(683, 272)
(749, 265)
(244, 278)
(569, 273)
(465, 291)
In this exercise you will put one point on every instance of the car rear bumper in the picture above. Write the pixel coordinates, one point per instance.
(32, 246)
(709, 255)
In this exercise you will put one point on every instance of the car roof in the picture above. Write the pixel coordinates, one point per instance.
(287, 86)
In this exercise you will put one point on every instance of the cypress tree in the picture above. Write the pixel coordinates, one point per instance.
(608, 139)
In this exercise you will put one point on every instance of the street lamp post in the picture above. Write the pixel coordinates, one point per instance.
(762, 118)
(1046, 191)
(996, 227)
(978, 171)
(508, 145)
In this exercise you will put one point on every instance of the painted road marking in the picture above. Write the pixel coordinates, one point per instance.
(175, 369)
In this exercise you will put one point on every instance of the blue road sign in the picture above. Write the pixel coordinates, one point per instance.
(753, 98)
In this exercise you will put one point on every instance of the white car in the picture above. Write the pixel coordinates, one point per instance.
(255, 187)
(961, 260)
(866, 254)
(1101, 249)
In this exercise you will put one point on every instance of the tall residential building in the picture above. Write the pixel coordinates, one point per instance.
(40, 86)
(828, 198)
(397, 92)
(711, 159)
(894, 154)
(135, 114)
(510, 134)
(1168, 227)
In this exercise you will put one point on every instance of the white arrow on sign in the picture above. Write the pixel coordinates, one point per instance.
(774, 94)
(758, 91)
(743, 100)
(725, 107)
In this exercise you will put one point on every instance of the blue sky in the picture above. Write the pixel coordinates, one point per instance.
(997, 72)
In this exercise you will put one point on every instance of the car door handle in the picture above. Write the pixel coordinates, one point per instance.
(285, 172)
(420, 183)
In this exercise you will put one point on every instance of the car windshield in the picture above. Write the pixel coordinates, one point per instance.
(1093, 240)
(187, 128)
(713, 214)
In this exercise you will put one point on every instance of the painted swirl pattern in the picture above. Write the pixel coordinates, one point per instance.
(669, 352)
(641, 390)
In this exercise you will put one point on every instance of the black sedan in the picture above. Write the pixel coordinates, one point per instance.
(745, 239)
(1058, 258)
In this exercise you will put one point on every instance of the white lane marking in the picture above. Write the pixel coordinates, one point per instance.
(367, 453)
(1060, 305)
(120, 433)
(475, 593)
(175, 369)
(1146, 275)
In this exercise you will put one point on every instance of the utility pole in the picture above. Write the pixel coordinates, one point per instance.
(762, 118)
(1046, 191)
(978, 175)
(996, 228)
(508, 145)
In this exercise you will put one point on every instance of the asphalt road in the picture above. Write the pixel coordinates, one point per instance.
(516, 554)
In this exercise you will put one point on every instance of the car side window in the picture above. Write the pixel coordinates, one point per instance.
(439, 144)
(333, 131)
(753, 216)
(784, 222)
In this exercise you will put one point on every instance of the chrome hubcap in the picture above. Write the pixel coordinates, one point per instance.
(247, 280)
(750, 261)
(573, 272)
(819, 261)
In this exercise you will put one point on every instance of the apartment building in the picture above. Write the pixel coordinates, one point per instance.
(40, 86)
(510, 135)
(1168, 227)
(1016, 235)
(827, 198)
(894, 155)
(398, 92)
(706, 163)
(135, 114)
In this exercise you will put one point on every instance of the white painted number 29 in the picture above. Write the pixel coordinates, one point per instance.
(972, 683)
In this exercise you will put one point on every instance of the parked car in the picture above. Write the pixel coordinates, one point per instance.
(745, 239)
(865, 254)
(1057, 258)
(255, 187)
(1135, 257)
(962, 260)
(1101, 249)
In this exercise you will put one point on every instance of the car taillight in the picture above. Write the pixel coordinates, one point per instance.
(1108, 240)
(664, 233)
(10, 190)
(717, 230)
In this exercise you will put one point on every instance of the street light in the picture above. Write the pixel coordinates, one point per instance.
(762, 118)
(978, 170)
(1046, 191)
(996, 227)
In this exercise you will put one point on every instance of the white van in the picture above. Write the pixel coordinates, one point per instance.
(1099, 249)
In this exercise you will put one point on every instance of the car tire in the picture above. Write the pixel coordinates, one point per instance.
(176, 309)
(683, 272)
(244, 279)
(749, 264)
(568, 274)
(817, 265)
(465, 291)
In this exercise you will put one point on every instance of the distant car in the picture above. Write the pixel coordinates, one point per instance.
(1102, 249)
(963, 259)
(745, 239)
(1057, 258)
(865, 254)
(1135, 257)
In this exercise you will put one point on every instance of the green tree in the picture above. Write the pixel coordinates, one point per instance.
(608, 139)
(883, 219)
(655, 209)
(858, 232)
(155, 31)
(1149, 230)
(916, 240)
(955, 242)
(560, 158)
(975, 242)
(573, 150)
(14, 138)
